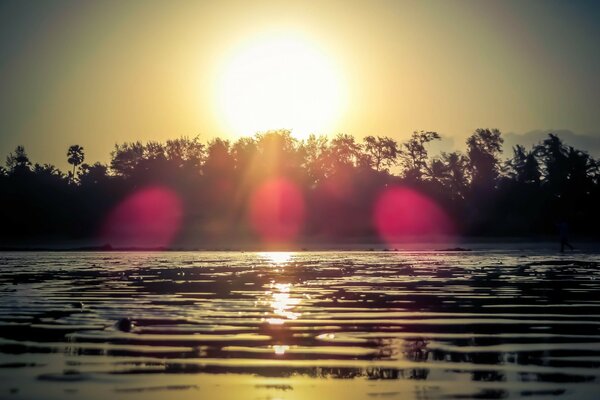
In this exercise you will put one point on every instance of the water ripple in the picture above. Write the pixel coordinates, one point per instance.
(504, 324)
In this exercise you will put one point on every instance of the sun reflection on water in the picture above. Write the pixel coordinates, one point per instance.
(277, 258)
(280, 349)
(282, 303)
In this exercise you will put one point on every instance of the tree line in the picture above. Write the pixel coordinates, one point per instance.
(486, 194)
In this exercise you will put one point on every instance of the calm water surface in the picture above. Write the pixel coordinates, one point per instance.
(327, 325)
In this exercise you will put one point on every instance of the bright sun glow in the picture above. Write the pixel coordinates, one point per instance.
(280, 82)
(283, 304)
(277, 258)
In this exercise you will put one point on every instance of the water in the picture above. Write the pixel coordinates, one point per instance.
(347, 325)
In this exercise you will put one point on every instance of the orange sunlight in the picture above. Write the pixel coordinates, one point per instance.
(279, 81)
(278, 258)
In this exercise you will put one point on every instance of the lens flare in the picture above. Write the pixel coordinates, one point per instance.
(150, 217)
(277, 211)
(402, 212)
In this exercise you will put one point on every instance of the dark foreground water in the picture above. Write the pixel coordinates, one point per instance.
(345, 325)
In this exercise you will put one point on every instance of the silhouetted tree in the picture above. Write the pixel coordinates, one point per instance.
(414, 156)
(75, 158)
(244, 152)
(457, 180)
(315, 150)
(18, 161)
(47, 171)
(186, 152)
(382, 152)
(554, 155)
(219, 159)
(344, 152)
(126, 157)
(340, 181)
(483, 149)
(155, 151)
(279, 152)
(524, 166)
(93, 174)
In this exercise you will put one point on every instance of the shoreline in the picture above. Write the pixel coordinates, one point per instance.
(466, 244)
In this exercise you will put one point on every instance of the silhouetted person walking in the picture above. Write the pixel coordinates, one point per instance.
(563, 230)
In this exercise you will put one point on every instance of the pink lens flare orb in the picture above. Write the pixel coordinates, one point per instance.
(276, 211)
(401, 213)
(150, 217)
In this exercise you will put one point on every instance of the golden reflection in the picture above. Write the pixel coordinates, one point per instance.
(277, 257)
(275, 321)
(280, 349)
(282, 303)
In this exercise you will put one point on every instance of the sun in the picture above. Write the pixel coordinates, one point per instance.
(280, 81)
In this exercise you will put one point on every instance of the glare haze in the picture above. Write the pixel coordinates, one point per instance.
(98, 73)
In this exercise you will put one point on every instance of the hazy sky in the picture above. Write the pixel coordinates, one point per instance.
(97, 73)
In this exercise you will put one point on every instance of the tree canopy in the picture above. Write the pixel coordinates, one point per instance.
(338, 178)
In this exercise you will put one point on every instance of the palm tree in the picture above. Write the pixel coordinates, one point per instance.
(76, 157)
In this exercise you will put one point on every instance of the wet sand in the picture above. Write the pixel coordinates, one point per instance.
(347, 325)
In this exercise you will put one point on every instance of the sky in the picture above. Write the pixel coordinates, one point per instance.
(96, 73)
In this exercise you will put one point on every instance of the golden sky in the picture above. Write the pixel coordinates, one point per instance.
(97, 73)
